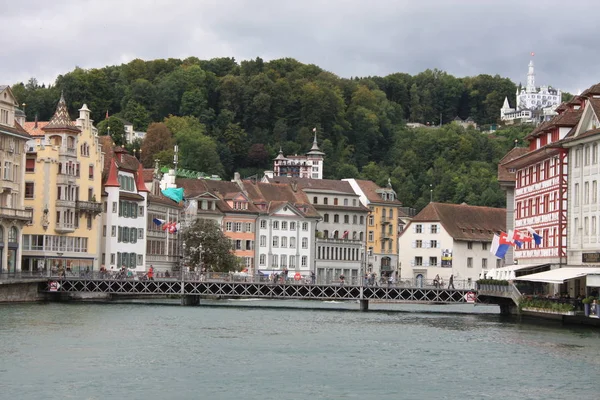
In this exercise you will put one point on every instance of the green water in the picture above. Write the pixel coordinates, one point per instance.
(141, 351)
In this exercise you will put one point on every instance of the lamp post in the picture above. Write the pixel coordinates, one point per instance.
(431, 193)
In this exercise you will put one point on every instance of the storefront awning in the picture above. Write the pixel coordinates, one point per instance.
(559, 275)
(508, 272)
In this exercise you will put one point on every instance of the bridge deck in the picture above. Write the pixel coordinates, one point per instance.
(257, 290)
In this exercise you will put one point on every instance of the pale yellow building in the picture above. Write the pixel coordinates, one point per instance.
(63, 178)
(13, 215)
(382, 226)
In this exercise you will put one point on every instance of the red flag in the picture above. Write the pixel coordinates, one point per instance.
(504, 239)
(521, 237)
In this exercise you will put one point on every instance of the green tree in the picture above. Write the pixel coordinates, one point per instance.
(158, 139)
(206, 246)
(113, 126)
(137, 115)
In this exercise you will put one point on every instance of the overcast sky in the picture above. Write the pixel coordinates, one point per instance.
(42, 38)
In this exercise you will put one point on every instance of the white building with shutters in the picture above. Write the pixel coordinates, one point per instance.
(124, 218)
(449, 239)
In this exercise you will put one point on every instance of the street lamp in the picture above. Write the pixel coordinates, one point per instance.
(431, 193)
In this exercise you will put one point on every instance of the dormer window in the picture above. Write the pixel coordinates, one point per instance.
(240, 205)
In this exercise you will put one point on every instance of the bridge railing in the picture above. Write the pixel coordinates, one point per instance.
(259, 278)
(20, 275)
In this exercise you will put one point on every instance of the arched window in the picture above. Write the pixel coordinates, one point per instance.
(326, 218)
(13, 234)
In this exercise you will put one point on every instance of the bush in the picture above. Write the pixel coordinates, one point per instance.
(546, 305)
(588, 300)
(494, 282)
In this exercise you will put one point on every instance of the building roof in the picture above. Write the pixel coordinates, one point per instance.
(316, 184)
(504, 175)
(16, 130)
(148, 174)
(196, 187)
(592, 90)
(35, 128)
(61, 120)
(160, 199)
(370, 189)
(277, 194)
(464, 222)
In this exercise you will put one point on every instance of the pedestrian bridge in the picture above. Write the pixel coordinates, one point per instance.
(192, 291)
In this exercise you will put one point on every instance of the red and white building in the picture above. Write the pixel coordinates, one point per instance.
(541, 187)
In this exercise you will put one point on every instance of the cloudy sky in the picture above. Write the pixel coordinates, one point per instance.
(43, 38)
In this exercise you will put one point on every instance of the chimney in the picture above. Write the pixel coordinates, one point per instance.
(236, 176)
(36, 121)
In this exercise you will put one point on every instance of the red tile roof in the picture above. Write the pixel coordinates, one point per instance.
(34, 130)
(160, 199)
(148, 174)
(464, 222)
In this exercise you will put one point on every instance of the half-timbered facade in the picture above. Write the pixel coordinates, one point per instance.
(540, 197)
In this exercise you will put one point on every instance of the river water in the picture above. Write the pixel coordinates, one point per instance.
(259, 350)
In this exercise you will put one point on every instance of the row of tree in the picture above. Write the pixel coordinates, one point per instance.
(227, 116)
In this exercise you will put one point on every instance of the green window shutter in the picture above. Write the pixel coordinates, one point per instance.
(119, 238)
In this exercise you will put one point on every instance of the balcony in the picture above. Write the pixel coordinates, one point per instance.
(64, 179)
(65, 203)
(341, 241)
(92, 207)
(385, 220)
(67, 151)
(16, 213)
(64, 228)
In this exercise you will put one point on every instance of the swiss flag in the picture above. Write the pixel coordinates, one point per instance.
(504, 239)
(521, 237)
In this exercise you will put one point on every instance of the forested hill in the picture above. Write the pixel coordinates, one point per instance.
(246, 111)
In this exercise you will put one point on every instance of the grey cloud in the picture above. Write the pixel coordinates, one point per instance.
(347, 37)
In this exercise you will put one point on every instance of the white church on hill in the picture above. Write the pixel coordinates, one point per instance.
(533, 104)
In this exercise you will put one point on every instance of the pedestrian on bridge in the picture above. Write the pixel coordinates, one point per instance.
(313, 277)
(451, 282)
(342, 278)
(150, 273)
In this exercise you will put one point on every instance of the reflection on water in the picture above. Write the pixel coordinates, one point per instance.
(258, 350)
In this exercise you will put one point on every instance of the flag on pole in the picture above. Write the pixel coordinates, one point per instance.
(536, 237)
(499, 249)
(158, 222)
(346, 233)
(519, 238)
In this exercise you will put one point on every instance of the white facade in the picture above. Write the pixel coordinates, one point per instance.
(426, 250)
(308, 166)
(285, 239)
(532, 104)
(583, 207)
(124, 225)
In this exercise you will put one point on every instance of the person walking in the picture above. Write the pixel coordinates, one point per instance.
(342, 278)
(313, 277)
(451, 282)
(436, 281)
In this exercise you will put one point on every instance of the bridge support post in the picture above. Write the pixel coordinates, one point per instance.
(508, 309)
(363, 305)
(190, 300)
